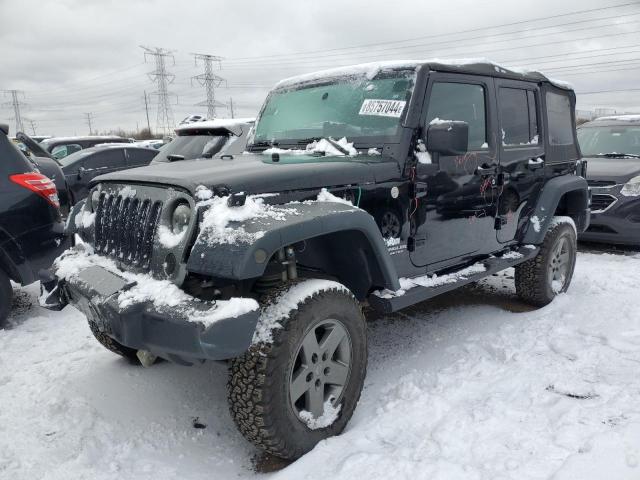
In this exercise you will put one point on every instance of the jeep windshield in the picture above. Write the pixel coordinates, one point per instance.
(362, 110)
(612, 141)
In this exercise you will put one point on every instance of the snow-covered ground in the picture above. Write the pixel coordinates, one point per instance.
(469, 386)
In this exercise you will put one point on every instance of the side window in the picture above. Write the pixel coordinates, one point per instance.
(560, 122)
(461, 101)
(140, 156)
(105, 160)
(518, 117)
(61, 151)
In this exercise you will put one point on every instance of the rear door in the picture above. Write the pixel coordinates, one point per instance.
(521, 154)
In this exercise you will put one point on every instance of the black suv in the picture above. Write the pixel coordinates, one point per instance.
(383, 183)
(31, 226)
(60, 147)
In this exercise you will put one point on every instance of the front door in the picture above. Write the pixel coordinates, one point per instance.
(455, 218)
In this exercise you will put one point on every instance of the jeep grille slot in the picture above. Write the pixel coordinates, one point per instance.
(125, 227)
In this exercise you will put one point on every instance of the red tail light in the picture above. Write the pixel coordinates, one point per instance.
(38, 183)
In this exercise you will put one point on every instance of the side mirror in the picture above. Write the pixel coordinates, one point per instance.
(448, 137)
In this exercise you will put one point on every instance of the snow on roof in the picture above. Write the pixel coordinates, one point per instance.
(216, 123)
(81, 137)
(370, 70)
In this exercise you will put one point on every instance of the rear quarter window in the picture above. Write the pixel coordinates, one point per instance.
(559, 119)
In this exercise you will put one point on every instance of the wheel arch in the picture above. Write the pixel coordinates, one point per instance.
(567, 195)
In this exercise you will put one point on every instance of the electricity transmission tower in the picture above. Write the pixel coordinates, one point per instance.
(33, 125)
(209, 81)
(162, 78)
(89, 116)
(16, 104)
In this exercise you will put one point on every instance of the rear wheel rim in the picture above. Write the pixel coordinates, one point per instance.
(321, 368)
(559, 265)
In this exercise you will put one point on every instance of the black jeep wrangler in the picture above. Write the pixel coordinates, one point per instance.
(382, 183)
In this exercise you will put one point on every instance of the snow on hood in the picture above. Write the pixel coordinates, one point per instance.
(318, 146)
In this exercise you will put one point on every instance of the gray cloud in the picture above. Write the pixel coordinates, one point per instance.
(73, 56)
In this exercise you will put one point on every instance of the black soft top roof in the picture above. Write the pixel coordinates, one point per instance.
(465, 66)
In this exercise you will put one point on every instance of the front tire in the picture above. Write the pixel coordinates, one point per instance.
(6, 297)
(110, 344)
(287, 395)
(541, 279)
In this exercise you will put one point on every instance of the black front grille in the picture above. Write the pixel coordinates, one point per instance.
(600, 183)
(125, 227)
(600, 202)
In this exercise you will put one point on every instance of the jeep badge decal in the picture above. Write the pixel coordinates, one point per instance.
(382, 108)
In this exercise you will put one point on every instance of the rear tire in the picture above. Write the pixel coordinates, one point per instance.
(110, 344)
(6, 298)
(541, 279)
(274, 387)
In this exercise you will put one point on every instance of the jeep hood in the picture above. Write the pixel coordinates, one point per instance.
(258, 173)
(619, 170)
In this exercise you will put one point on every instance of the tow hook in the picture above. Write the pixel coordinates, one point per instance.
(146, 358)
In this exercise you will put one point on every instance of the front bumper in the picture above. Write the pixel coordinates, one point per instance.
(164, 331)
(618, 224)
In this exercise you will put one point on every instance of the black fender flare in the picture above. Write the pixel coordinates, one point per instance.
(296, 222)
(549, 200)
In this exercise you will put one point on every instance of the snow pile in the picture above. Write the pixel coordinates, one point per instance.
(512, 255)
(536, 223)
(285, 303)
(431, 281)
(421, 153)
(168, 239)
(161, 293)
(318, 146)
(326, 196)
(329, 415)
(374, 152)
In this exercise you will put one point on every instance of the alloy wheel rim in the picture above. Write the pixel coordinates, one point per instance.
(559, 265)
(321, 369)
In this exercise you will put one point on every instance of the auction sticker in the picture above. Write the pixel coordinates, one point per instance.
(382, 108)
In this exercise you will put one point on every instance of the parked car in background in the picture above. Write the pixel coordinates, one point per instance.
(611, 146)
(81, 167)
(47, 165)
(60, 147)
(31, 225)
(207, 139)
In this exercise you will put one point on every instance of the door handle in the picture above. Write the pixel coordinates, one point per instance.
(485, 169)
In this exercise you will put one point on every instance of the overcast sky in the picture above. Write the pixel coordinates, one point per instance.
(75, 56)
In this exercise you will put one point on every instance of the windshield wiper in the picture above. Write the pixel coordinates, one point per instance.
(337, 146)
(618, 155)
(262, 145)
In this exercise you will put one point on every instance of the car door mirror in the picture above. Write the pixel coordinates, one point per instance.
(448, 137)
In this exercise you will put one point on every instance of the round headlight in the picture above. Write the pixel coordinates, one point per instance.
(180, 218)
(95, 199)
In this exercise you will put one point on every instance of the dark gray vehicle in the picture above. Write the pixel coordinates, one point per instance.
(611, 145)
(83, 166)
(384, 183)
(206, 139)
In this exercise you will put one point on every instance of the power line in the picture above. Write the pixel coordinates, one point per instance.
(209, 81)
(472, 30)
(162, 78)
